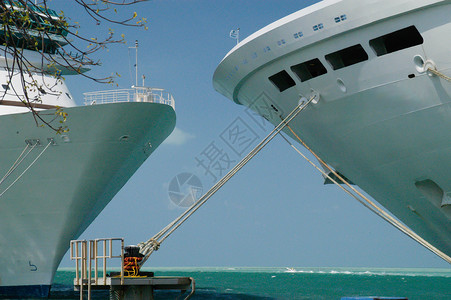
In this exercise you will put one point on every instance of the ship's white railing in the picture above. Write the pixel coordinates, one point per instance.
(86, 252)
(135, 94)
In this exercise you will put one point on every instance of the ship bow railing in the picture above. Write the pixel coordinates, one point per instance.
(136, 94)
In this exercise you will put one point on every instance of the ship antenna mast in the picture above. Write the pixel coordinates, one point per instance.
(235, 34)
(136, 62)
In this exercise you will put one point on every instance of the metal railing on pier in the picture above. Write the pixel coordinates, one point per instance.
(91, 271)
(135, 94)
(86, 252)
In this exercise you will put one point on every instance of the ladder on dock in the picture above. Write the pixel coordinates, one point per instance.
(91, 257)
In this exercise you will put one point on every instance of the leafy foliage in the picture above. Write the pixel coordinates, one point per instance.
(40, 46)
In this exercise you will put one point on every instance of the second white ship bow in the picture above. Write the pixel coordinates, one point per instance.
(382, 119)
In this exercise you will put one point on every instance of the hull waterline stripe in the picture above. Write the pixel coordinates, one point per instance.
(24, 291)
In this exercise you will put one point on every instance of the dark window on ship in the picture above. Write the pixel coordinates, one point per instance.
(309, 69)
(395, 41)
(347, 57)
(5, 86)
(282, 80)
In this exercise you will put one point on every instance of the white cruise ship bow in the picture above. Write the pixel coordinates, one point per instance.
(54, 185)
(382, 120)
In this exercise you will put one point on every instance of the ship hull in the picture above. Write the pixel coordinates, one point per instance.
(379, 118)
(67, 183)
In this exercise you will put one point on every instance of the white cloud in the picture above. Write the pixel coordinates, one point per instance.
(178, 137)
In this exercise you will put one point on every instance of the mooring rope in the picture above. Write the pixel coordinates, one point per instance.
(364, 200)
(439, 74)
(17, 162)
(153, 244)
(26, 169)
(147, 248)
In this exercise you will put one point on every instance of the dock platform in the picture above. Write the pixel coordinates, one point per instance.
(138, 287)
(128, 284)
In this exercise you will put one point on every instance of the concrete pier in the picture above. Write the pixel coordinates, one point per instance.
(141, 287)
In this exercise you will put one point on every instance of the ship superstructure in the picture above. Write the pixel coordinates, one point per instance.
(379, 72)
(54, 185)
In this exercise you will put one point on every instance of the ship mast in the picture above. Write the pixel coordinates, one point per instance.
(136, 62)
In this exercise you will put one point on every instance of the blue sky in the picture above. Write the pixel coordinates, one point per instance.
(276, 210)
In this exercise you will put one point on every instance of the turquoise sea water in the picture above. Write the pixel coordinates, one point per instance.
(294, 283)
